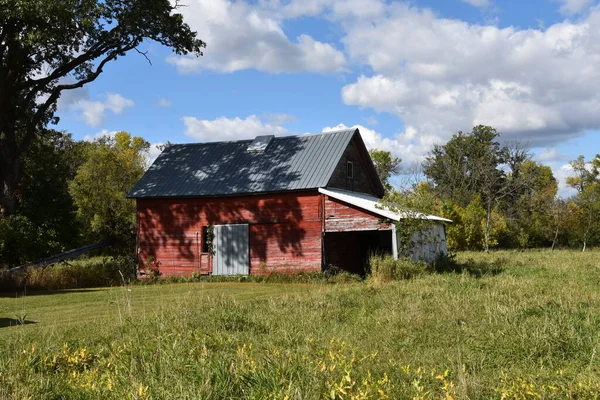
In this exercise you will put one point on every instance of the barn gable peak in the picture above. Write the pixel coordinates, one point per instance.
(260, 144)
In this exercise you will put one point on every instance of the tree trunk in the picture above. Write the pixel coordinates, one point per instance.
(486, 231)
(555, 238)
(10, 168)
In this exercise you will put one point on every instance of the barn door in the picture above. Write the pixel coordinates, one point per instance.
(230, 245)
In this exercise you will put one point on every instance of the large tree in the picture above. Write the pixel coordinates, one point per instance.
(474, 166)
(50, 46)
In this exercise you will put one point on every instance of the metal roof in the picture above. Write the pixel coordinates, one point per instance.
(227, 168)
(371, 203)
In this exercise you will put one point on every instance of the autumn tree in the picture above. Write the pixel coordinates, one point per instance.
(99, 190)
(587, 183)
(48, 47)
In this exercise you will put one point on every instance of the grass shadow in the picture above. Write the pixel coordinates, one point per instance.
(8, 322)
(478, 269)
(41, 292)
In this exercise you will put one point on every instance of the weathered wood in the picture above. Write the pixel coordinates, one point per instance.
(285, 231)
(343, 217)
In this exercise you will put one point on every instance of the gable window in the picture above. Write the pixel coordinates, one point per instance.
(350, 170)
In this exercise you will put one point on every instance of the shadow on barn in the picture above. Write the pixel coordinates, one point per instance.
(204, 182)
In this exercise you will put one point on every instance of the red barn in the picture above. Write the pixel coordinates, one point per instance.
(293, 203)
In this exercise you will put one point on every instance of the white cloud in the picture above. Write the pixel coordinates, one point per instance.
(442, 75)
(477, 3)
(408, 145)
(240, 36)
(549, 155)
(94, 112)
(561, 173)
(571, 7)
(153, 153)
(230, 128)
(164, 102)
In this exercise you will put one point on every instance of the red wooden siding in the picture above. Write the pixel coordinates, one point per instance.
(343, 217)
(285, 231)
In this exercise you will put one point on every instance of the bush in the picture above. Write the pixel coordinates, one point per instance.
(385, 268)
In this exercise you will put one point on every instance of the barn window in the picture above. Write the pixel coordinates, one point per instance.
(350, 170)
(205, 239)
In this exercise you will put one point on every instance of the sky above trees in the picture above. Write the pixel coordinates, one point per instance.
(409, 74)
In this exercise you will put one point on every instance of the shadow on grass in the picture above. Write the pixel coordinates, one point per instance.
(470, 266)
(8, 322)
(41, 292)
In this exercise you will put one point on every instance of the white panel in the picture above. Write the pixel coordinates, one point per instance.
(428, 244)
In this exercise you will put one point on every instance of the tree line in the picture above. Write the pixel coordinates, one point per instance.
(498, 196)
(73, 193)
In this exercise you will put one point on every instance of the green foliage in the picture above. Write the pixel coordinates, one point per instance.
(112, 167)
(45, 220)
(587, 203)
(463, 166)
(385, 165)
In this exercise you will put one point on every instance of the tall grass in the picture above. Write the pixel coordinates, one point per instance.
(530, 330)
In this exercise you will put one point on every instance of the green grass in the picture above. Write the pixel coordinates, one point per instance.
(531, 328)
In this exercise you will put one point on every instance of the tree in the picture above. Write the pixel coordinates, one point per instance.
(464, 164)
(587, 183)
(101, 184)
(529, 209)
(385, 165)
(51, 46)
(475, 165)
(44, 223)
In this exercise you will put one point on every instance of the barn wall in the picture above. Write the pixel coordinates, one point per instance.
(343, 217)
(285, 231)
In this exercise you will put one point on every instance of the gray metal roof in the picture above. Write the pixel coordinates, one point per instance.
(227, 168)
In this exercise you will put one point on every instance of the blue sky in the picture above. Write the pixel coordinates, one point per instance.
(408, 74)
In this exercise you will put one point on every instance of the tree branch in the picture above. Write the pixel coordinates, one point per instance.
(55, 93)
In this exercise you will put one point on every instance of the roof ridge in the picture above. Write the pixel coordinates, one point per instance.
(302, 135)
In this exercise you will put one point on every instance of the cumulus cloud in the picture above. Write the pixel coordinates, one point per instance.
(230, 128)
(571, 7)
(410, 146)
(240, 36)
(93, 113)
(443, 75)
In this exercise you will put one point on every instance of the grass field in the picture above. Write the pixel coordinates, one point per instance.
(530, 331)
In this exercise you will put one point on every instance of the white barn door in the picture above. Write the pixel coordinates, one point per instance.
(231, 248)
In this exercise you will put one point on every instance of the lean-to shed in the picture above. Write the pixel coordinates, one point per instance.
(293, 203)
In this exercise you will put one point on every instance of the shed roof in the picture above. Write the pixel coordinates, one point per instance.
(228, 168)
(371, 203)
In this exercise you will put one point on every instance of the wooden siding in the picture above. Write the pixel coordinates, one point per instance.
(343, 217)
(285, 231)
(361, 181)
